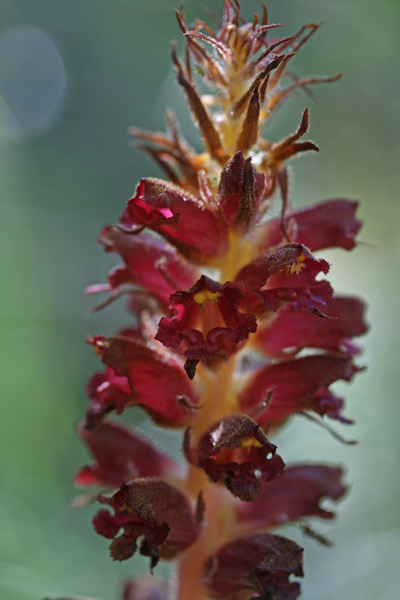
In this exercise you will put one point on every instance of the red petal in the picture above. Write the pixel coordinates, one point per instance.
(149, 263)
(158, 381)
(181, 218)
(234, 450)
(153, 510)
(329, 224)
(107, 392)
(208, 321)
(260, 563)
(120, 455)
(286, 273)
(298, 493)
(291, 331)
(279, 390)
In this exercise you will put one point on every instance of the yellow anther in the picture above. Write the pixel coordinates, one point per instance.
(250, 442)
(297, 266)
(202, 297)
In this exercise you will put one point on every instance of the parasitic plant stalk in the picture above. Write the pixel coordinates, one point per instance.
(233, 329)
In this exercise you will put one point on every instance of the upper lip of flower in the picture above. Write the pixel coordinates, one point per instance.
(154, 509)
(157, 380)
(179, 217)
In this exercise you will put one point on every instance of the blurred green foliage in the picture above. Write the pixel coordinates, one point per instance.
(66, 170)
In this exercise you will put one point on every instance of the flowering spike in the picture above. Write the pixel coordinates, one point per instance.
(236, 329)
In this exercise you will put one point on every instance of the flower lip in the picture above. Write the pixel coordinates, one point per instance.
(237, 452)
(179, 217)
(286, 273)
(208, 322)
(157, 380)
(149, 262)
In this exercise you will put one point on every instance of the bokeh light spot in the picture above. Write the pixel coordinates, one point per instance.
(33, 82)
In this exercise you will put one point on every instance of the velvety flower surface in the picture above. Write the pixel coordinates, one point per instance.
(259, 563)
(234, 451)
(158, 381)
(178, 216)
(152, 510)
(287, 274)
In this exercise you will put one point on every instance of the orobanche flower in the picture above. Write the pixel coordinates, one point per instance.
(233, 328)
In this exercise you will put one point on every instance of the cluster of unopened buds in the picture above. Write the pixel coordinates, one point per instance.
(234, 330)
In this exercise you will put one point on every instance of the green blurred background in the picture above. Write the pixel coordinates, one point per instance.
(74, 75)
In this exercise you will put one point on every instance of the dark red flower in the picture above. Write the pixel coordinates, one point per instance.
(298, 493)
(329, 224)
(279, 390)
(157, 380)
(150, 263)
(290, 331)
(258, 563)
(150, 509)
(179, 217)
(286, 274)
(237, 452)
(208, 322)
(120, 455)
